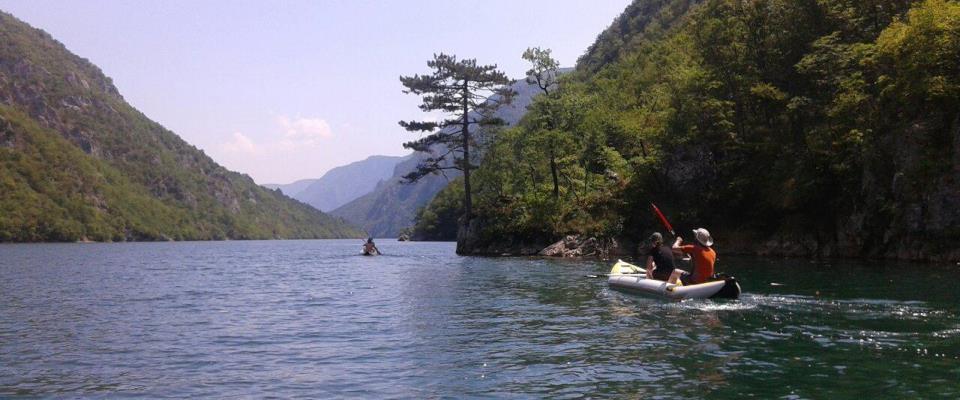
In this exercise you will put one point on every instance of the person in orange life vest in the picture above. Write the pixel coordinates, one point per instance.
(703, 256)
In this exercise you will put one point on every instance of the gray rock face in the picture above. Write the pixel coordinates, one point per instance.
(572, 246)
(576, 246)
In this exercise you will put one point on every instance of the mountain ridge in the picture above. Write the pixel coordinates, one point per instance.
(292, 188)
(345, 183)
(45, 89)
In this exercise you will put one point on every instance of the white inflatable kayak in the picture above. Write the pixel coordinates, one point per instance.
(630, 278)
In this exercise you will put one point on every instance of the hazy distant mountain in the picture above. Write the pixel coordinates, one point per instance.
(392, 206)
(291, 189)
(346, 183)
(78, 162)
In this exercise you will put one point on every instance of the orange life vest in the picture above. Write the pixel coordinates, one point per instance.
(703, 260)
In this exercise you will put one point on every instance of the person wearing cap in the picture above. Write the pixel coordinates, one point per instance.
(659, 259)
(703, 256)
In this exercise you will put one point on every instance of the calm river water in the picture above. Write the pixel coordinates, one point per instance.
(314, 319)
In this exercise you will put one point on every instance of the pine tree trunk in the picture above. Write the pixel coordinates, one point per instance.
(467, 200)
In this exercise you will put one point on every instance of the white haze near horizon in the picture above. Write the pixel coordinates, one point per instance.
(287, 90)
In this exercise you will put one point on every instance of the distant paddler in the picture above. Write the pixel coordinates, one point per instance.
(370, 249)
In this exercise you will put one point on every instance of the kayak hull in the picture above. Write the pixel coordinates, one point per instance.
(629, 278)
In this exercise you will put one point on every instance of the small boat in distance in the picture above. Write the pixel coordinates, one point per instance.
(369, 248)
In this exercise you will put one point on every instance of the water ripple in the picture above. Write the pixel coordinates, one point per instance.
(312, 319)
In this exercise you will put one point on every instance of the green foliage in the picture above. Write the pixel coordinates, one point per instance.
(917, 59)
(641, 22)
(544, 69)
(438, 220)
(741, 115)
(52, 191)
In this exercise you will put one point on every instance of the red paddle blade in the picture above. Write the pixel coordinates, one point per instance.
(663, 219)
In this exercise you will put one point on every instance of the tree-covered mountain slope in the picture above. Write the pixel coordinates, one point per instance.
(78, 163)
(810, 128)
(641, 22)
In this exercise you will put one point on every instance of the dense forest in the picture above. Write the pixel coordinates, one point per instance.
(79, 163)
(803, 127)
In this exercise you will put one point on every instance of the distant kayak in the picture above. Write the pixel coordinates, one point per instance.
(369, 249)
(630, 278)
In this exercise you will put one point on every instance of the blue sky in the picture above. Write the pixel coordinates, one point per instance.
(286, 90)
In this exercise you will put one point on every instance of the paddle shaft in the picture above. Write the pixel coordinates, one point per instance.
(663, 219)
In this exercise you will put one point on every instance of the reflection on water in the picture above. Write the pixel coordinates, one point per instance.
(313, 319)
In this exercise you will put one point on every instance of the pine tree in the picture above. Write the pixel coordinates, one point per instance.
(468, 94)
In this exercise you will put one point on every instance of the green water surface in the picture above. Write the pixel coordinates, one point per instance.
(314, 319)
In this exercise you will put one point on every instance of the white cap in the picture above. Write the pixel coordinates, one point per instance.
(703, 236)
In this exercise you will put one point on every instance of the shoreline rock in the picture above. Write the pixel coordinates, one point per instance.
(789, 246)
(577, 246)
(848, 241)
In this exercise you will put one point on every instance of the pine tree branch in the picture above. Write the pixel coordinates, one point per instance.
(417, 126)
